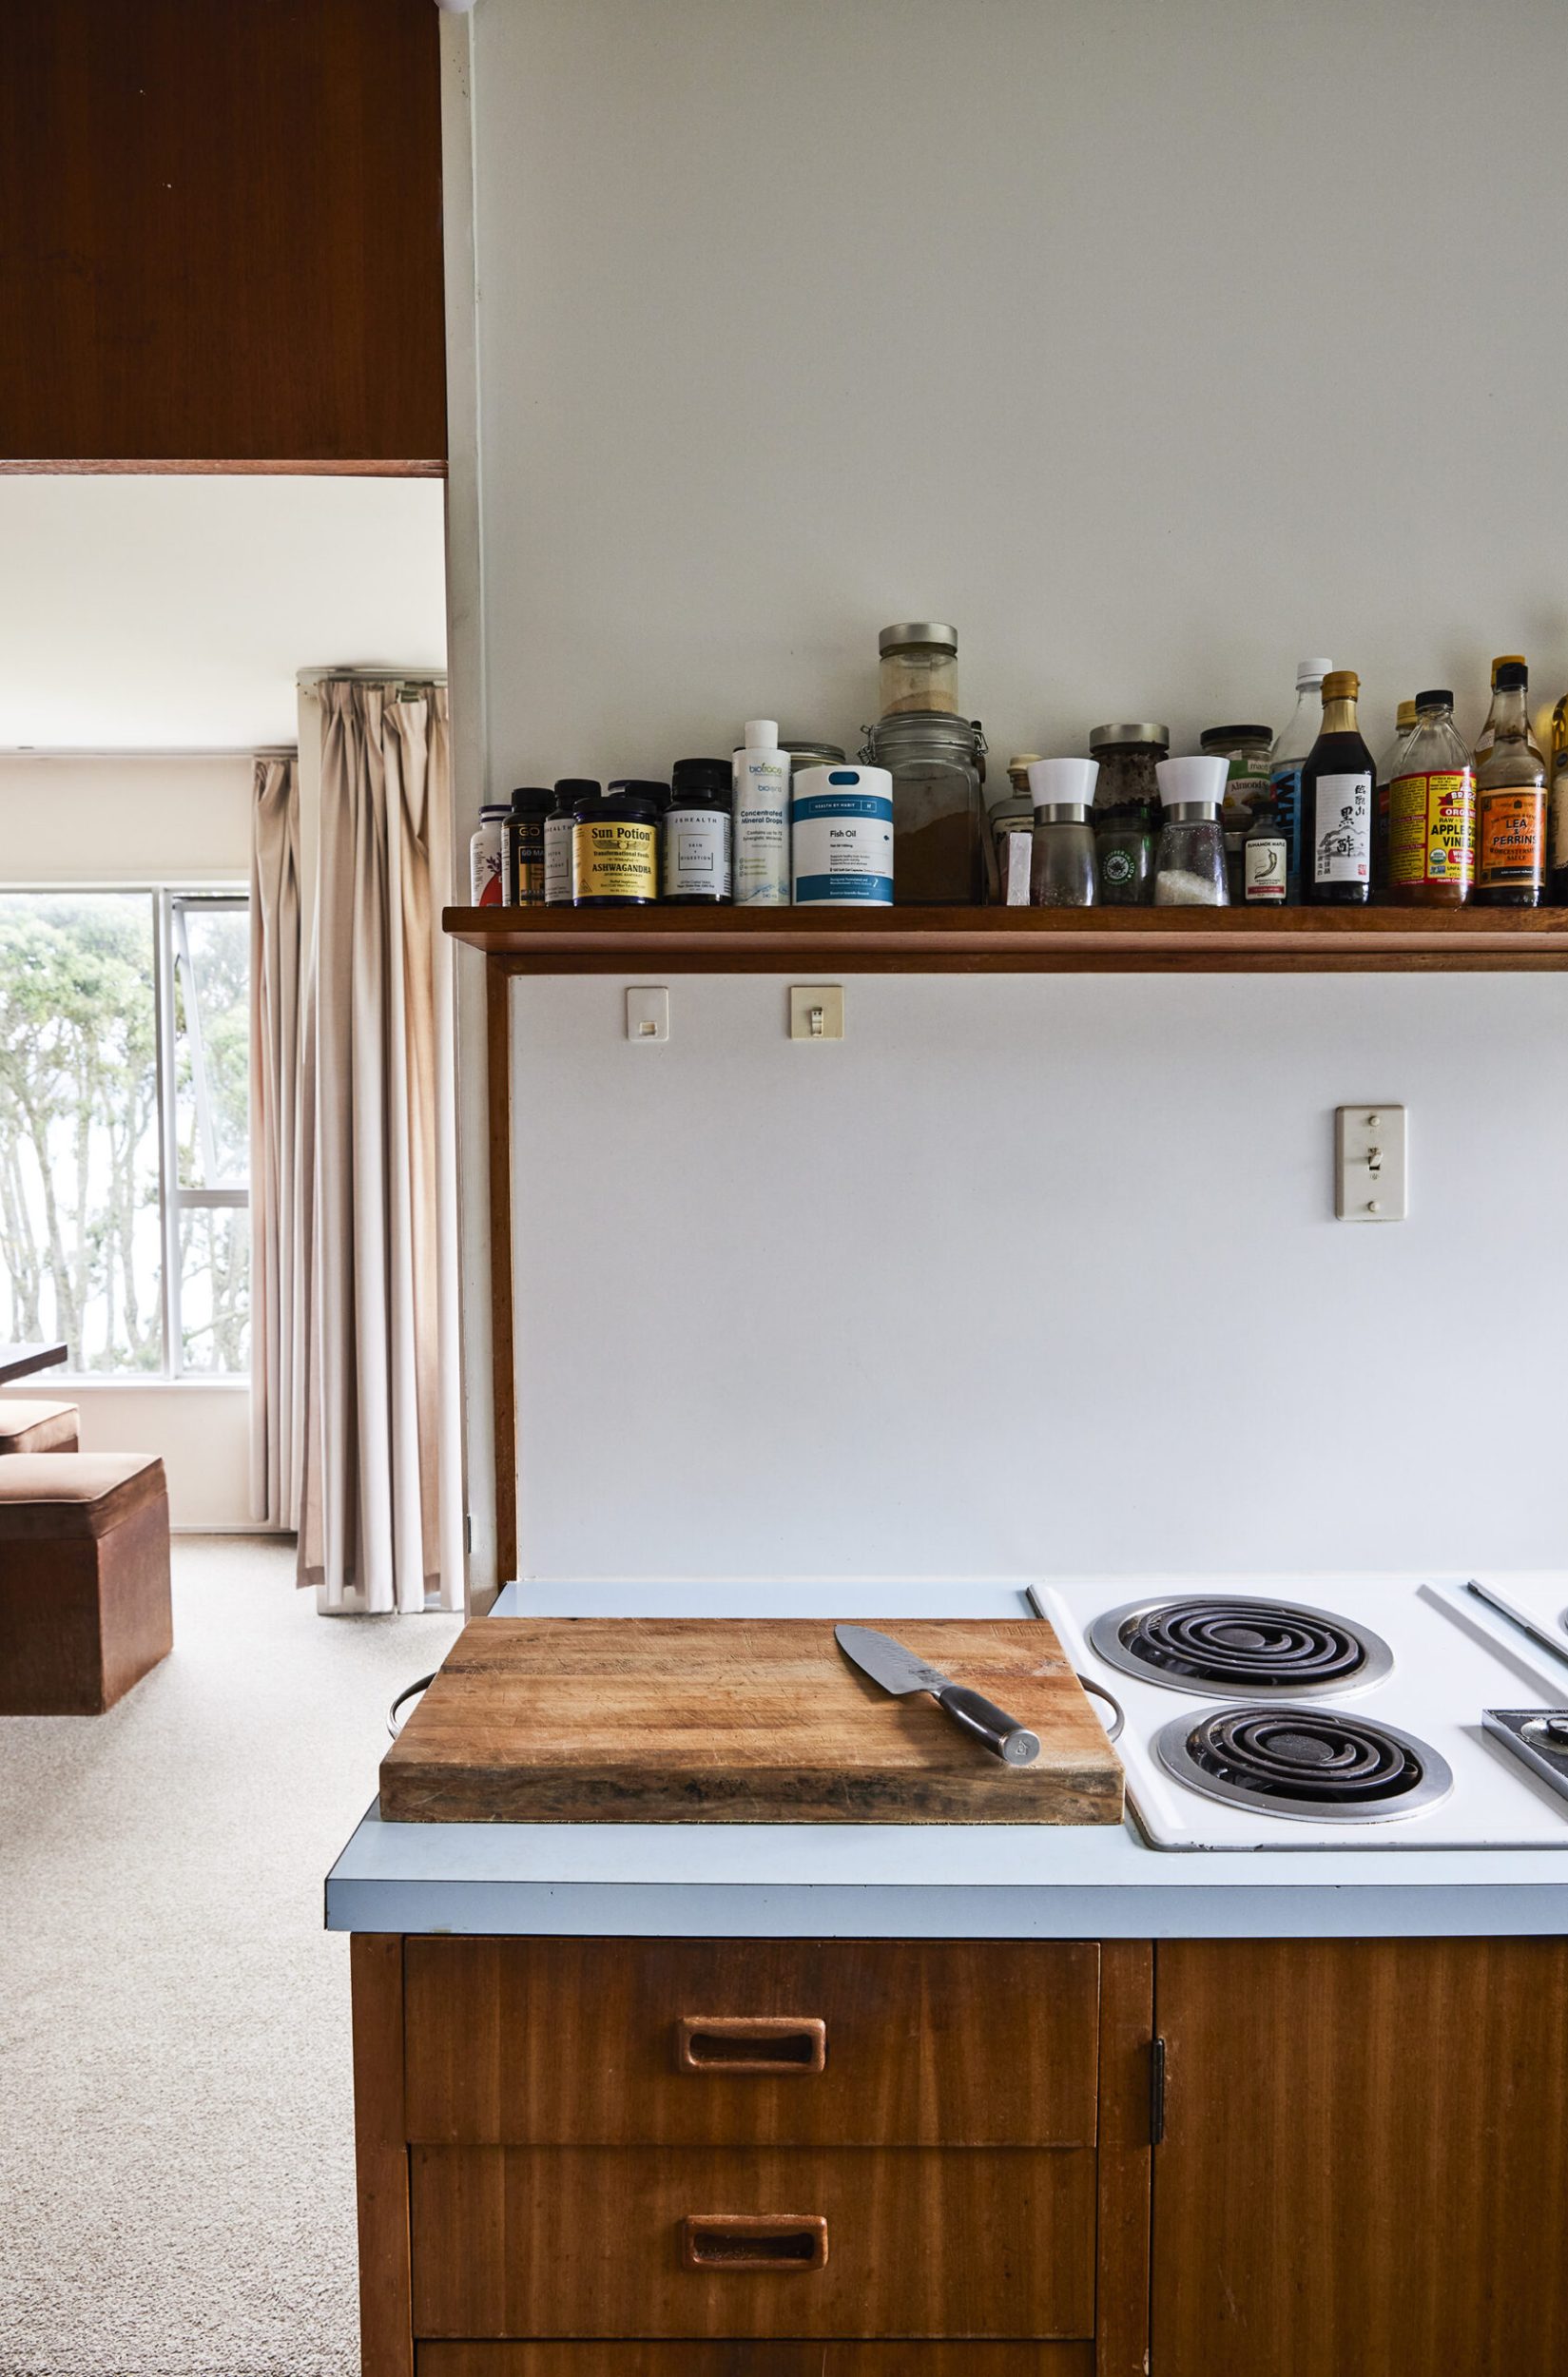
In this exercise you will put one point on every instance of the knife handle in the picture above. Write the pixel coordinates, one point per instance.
(1002, 1735)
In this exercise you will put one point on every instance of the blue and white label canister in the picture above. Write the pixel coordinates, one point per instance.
(842, 838)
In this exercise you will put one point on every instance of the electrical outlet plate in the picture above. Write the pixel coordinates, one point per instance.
(647, 1014)
(1371, 1171)
(816, 1011)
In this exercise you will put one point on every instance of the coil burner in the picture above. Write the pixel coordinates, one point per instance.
(1241, 1647)
(1316, 1765)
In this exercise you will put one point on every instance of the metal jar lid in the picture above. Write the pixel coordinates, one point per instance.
(918, 631)
(1141, 732)
(1221, 738)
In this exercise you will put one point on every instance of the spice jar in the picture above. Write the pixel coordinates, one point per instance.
(1013, 833)
(920, 667)
(1064, 839)
(615, 847)
(1127, 756)
(1245, 750)
(1190, 862)
(1266, 856)
(941, 841)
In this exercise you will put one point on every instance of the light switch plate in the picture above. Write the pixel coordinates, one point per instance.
(1371, 1170)
(647, 1014)
(816, 1011)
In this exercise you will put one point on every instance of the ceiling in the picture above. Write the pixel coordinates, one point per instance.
(145, 612)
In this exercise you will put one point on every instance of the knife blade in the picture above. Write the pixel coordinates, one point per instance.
(898, 1670)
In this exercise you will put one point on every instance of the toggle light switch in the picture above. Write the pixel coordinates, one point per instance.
(647, 1014)
(816, 1012)
(1370, 1164)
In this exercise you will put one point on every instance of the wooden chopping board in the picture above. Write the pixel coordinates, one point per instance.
(539, 1720)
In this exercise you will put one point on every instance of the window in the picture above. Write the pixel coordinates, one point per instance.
(125, 1057)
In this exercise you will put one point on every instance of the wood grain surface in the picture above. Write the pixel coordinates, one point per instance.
(756, 2359)
(1016, 941)
(833, 2359)
(586, 2241)
(1366, 2158)
(222, 233)
(381, 2155)
(952, 2042)
(734, 1721)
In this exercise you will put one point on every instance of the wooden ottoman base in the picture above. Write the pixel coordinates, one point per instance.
(34, 1427)
(83, 1615)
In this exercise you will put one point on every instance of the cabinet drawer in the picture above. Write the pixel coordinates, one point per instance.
(751, 2041)
(755, 2360)
(638, 2241)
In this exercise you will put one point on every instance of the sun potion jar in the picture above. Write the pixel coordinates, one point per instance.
(570, 790)
(696, 860)
(615, 847)
(842, 838)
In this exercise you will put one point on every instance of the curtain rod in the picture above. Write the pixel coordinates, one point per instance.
(370, 672)
(148, 751)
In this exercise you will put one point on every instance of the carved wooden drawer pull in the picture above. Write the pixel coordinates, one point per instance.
(762, 2042)
(753, 2240)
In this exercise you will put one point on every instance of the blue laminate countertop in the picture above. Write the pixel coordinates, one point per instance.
(999, 1882)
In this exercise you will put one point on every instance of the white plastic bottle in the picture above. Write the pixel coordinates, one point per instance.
(762, 818)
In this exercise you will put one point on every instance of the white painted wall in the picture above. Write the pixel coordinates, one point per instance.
(1154, 344)
(182, 818)
(132, 818)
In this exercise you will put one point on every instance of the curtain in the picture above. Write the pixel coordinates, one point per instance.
(278, 1212)
(380, 1511)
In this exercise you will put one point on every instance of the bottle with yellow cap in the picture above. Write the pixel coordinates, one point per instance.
(1336, 802)
(1389, 766)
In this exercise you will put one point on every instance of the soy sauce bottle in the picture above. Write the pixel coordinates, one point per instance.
(1336, 802)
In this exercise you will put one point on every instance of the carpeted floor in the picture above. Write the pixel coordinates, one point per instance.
(176, 2144)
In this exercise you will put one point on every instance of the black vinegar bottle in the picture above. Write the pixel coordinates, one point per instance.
(1336, 802)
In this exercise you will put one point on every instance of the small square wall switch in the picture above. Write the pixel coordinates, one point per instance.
(647, 1014)
(1370, 1183)
(816, 1012)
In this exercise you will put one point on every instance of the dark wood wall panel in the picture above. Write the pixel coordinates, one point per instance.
(221, 232)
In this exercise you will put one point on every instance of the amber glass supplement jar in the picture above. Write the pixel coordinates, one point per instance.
(920, 666)
(615, 849)
(523, 847)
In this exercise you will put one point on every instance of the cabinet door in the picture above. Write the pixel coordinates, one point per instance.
(1365, 2157)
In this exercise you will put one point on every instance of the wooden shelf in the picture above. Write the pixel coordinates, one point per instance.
(1015, 941)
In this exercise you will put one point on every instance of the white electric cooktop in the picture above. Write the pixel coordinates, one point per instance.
(1319, 1713)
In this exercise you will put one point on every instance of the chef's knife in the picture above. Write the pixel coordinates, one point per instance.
(897, 1670)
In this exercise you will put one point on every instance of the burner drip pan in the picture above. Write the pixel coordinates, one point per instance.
(1247, 1648)
(1316, 1765)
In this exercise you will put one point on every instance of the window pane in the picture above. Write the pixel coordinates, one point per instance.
(80, 1254)
(212, 1045)
(215, 1289)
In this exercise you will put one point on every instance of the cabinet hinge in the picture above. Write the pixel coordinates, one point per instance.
(1156, 2091)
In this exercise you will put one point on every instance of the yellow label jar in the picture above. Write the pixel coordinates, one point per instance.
(615, 849)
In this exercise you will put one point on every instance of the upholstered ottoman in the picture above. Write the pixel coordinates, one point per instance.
(83, 1580)
(37, 1427)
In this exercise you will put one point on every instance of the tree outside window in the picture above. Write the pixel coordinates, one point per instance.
(124, 1131)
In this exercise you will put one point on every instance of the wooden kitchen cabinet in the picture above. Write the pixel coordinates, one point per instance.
(645, 2157)
(1365, 2162)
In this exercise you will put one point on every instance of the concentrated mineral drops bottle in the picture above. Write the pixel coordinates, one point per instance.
(1336, 802)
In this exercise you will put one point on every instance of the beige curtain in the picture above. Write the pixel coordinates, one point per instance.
(380, 1514)
(278, 954)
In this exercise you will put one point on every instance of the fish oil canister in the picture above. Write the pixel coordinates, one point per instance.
(523, 847)
(615, 847)
(842, 838)
(1431, 810)
(570, 791)
(1336, 803)
(1511, 800)
(696, 831)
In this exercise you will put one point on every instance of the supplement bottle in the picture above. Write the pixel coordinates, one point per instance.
(615, 847)
(570, 790)
(761, 857)
(696, 831)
